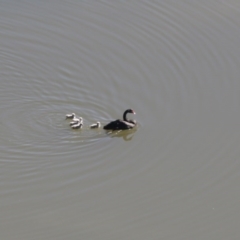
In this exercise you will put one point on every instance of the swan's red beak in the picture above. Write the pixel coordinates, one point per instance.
(133, 112)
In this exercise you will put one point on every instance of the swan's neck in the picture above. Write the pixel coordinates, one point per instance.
(125, 117)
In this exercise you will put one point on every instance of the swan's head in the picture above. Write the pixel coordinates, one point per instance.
(130, 111)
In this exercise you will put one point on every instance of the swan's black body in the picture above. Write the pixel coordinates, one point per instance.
(121, 124)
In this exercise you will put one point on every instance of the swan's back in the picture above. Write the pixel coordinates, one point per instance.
(118, 125)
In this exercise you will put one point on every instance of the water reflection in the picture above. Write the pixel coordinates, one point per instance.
(168, 59)
(127, 135)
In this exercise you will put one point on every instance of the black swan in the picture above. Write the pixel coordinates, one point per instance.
(122, 124)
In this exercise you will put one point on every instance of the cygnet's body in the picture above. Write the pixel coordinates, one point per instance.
(76, 120)
(70, 116)
(77, 125)
(96, 125)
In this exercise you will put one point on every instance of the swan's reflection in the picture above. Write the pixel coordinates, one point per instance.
(127, 135)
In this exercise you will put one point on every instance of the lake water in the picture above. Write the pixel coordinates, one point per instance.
(176, 176)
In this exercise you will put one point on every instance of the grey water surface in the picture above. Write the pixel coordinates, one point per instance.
(176, 176)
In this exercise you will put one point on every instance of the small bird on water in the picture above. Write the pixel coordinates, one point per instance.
(77, 125)
(95, 125)
(76, 120)
(70, 116)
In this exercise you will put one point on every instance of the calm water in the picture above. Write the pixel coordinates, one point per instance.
(176, 63)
